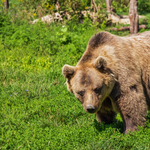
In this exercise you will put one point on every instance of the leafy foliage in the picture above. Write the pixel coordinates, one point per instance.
(120, 7)
(143, 6)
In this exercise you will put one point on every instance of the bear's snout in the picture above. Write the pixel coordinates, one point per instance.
(91, 109)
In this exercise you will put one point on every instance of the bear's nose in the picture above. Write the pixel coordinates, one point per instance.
(90, 108)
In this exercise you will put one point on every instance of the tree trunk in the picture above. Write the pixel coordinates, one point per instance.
(6, 4)
(134, 17)
(108, 3)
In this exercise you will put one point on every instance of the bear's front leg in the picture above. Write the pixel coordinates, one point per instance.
(129, 123)
(133, 109)
(106, 113)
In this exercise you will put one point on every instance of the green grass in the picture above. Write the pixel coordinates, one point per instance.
(36, 110)
(12, 2)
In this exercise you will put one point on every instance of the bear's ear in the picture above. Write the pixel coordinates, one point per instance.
(100, 63)
(68, 71)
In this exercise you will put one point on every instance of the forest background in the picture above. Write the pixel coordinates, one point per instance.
(36, 110)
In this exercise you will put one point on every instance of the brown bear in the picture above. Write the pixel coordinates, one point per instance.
(113, 76)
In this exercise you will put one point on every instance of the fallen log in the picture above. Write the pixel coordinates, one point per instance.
(127, 28)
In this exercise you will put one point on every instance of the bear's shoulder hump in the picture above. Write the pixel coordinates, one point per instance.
(100, 39)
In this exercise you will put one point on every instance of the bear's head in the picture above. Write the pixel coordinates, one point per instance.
(90, 83)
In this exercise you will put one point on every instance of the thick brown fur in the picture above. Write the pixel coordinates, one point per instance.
(113, 76)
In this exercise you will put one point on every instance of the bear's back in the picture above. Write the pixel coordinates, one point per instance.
(105, 43)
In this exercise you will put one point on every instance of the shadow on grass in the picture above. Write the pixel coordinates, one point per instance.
(73, 119)
(102, 127)
(116, 124)
(148, 116)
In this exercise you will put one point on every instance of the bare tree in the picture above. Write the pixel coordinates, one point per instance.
(92, 4)
(134, 17)
(109, 3)
(57, 5)
(6, 4)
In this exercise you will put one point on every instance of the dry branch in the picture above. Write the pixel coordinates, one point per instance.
(93, 5)
(127, 28)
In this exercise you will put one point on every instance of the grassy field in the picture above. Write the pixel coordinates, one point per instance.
(36, 110)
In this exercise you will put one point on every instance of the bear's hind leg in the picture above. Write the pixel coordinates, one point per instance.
(106, 117)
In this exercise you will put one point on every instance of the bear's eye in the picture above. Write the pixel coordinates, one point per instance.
(98, 90)
(81, 93)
